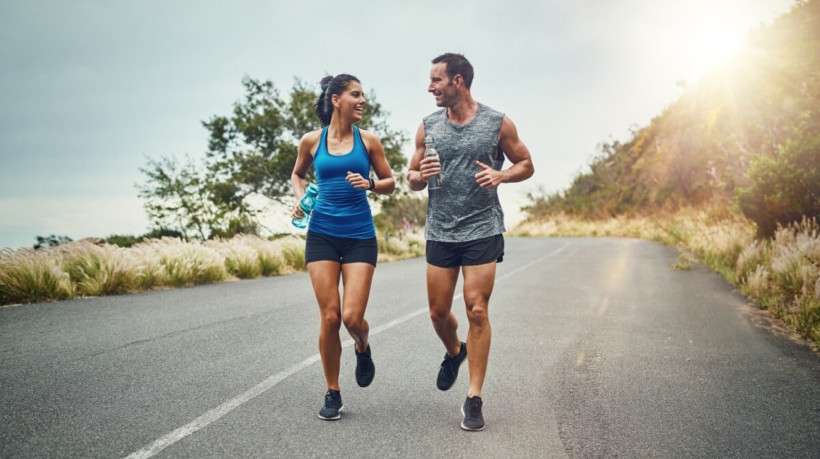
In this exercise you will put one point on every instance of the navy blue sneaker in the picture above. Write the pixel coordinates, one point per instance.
(365, 370)
(333, 406)
(471, 410)
(448, 372)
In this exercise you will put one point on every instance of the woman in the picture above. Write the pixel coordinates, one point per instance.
(341, 238)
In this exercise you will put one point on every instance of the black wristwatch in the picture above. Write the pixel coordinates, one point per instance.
(372, 184)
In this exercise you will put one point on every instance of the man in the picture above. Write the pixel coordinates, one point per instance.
(465, 221)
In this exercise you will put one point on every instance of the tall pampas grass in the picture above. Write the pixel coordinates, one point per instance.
(83, 268)
(80, 269)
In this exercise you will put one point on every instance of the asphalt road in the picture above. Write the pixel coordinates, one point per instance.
(600, 349)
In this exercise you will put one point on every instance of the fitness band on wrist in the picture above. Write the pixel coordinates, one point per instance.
(372, 184)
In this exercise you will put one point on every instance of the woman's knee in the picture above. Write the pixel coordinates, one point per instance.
(353, 322)
(331, 318)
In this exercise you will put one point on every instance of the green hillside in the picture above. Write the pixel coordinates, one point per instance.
(747, 133)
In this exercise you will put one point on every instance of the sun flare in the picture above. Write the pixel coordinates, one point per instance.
(710, 45)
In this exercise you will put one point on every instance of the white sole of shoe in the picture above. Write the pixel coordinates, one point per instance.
(469, 429)
(334, 417)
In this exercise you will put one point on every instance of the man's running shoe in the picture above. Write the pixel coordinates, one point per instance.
(471, 410)
(365, 370)
(333, 406)
(448, 372)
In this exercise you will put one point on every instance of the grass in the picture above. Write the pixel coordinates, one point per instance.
(84, 269)
(781, 274)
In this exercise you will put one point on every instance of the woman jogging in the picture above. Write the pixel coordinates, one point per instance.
(341, 237)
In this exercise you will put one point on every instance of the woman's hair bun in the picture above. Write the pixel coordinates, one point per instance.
(325, 82)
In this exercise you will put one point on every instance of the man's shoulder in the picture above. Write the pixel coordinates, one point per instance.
(435, 115)
(493, 112)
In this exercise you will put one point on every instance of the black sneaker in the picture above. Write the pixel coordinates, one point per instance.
(448, 372)
(365, 370)
(333, 406)
(471, 410)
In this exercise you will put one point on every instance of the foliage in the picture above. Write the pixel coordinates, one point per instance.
(401, 213)
(783, 188)
(79, 269)
(123, 240)
(44, 242)
(781, 274)
(177, 196)
(250, 152)
(82, 268)
(129, 240)
(746, 131)
(253, 150)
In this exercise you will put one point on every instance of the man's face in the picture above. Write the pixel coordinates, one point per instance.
(441, 86)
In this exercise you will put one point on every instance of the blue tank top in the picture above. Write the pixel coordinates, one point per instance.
(341, 210)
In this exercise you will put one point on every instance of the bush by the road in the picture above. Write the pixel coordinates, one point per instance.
(88, 268)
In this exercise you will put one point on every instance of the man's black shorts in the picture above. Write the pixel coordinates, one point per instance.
(319, 247)
(477, 252)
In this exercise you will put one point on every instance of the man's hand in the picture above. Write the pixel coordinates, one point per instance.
(488, 177)
(429, 167)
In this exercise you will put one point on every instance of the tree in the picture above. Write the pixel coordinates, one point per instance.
(44, 242)
(177, 197)
(784, 188)
(250, 152)
(253, 150)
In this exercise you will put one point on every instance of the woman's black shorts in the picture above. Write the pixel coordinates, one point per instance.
(320, 247)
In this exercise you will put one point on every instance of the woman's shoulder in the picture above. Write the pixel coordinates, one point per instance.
(368, 136)
(311, 138)
(372, 142)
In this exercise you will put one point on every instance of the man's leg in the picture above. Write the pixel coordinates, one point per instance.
(479, 281)
(441, 284)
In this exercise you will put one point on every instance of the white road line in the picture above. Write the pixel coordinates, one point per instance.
(225, 408)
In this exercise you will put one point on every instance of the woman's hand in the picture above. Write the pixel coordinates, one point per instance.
(297, 212)
(357, 181)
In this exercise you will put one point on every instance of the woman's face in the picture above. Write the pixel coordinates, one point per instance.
(350, 102)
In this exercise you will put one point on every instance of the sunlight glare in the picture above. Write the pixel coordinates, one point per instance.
(710, 45)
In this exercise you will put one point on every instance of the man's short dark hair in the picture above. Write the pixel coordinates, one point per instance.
(457, 64)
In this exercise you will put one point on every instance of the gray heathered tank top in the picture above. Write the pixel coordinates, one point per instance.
(460, 210)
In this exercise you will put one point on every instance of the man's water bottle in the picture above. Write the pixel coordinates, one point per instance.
(306, 204)
(433, 182)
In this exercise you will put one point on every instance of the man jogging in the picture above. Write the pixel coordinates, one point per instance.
(465, 222)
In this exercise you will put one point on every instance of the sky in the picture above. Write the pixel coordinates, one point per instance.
(89, 90)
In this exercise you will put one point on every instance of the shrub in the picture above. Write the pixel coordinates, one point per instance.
(241, 258)
(785, 188)
(98, 270)
(28, 276)
(294, 256)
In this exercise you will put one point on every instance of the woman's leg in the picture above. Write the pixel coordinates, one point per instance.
(357, 279)
(324, 275)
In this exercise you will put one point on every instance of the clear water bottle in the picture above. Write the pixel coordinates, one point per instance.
(433, 182)
(306, 204)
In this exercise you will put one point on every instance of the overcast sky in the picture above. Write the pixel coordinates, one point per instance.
(89, 89)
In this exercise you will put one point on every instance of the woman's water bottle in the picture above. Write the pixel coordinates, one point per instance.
(433, 182)
(306, 204)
